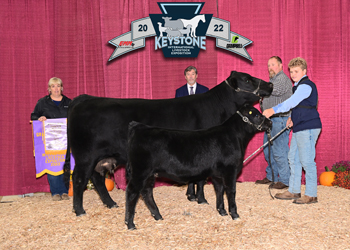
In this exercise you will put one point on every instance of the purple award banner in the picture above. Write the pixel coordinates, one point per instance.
(50, 146)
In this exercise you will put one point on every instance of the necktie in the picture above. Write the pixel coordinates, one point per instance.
(191, 91)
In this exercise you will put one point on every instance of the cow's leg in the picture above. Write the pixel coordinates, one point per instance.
(200, 193)
(99, 183)
(230, 183)
(191, 194)
(147, 194)
(219, 191)
(132, 195)
(80, 180)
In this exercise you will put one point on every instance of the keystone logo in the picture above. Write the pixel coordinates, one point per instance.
(180, 31)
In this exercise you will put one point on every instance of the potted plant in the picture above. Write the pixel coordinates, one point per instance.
(342, 174)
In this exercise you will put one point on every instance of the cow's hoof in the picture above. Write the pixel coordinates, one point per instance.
(80, 214)
(157, 217)
(222, 212)
(131, 226)
(203, 201)
(191, 197)
(112, 205)
(234, 216)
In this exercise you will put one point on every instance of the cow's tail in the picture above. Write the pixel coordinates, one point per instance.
(66, 167)
(131, 132)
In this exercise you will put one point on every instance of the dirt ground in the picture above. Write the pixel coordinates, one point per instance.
(265, 223)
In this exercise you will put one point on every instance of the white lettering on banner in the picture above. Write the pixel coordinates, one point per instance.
(162, 42)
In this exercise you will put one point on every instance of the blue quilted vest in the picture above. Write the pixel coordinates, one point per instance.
(305, 115)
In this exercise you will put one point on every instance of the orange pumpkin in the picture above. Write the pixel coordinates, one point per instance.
(326, 178)
(70, 191)
(109, 184)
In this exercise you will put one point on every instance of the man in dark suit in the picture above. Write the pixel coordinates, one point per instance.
(191, 87)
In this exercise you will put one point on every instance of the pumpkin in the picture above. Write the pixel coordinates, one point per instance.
(70, 191)
(109, 184)
(327, 177)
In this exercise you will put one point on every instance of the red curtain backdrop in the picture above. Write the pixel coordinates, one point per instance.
(69, 39)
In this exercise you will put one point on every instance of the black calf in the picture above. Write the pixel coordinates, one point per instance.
(186, 156)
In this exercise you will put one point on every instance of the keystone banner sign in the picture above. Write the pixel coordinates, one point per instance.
(180, 31)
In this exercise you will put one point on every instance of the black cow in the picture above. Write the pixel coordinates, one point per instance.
(184, 156)
(97, 127)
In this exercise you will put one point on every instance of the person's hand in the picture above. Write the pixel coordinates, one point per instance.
(42, 118)
(289, 122)
(268, 113)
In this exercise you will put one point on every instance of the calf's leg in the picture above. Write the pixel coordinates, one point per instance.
(147, 194)
(219, 191)
(132, 195)
(231, 196)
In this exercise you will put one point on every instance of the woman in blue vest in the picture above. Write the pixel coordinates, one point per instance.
(306, 124)
(54, 105)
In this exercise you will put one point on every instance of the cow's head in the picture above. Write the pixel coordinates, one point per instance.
(253, 117)
(253, 88)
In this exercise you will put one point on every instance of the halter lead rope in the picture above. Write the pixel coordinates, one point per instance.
(259, 127)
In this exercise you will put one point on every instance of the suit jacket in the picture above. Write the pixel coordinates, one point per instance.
(183, 91)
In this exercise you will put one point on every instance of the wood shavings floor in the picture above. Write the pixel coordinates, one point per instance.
(37, 222)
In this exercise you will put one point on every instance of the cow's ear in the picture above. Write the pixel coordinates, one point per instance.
(232, 80)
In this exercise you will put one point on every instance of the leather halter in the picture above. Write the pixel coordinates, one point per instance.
(245, 119)
(255, 92)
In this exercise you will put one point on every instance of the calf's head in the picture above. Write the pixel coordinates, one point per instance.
(252, 89)
(254, 118)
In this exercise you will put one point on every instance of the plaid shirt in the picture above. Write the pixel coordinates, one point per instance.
(282, 90)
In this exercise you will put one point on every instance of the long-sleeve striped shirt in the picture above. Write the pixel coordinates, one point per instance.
(282, 90)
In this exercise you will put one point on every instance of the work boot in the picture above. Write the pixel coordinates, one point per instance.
(305, 200)
(263, 181)
(64, 197)
(279, 185)
(56, 197)
(287, 196)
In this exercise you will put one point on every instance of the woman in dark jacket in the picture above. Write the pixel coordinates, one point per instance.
(54, 105)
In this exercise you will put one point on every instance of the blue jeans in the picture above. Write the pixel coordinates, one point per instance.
(279, 152)
(57, 185)
(302, 156)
